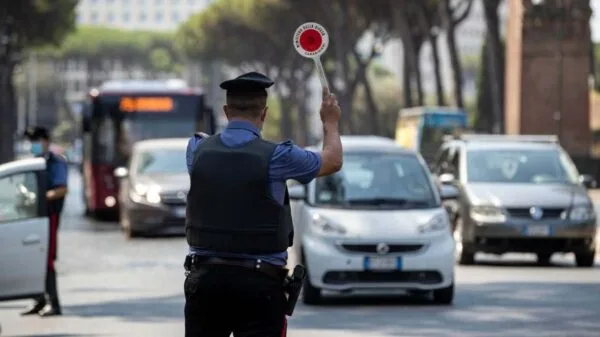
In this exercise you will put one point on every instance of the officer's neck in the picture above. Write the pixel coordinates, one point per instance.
(253, 122)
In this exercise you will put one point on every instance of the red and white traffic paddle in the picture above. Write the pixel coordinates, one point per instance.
(311, 41)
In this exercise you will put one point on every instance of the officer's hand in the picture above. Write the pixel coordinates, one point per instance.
(330, 110)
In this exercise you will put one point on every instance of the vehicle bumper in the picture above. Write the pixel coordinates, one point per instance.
(561, 236)
(334, 269)
(155, 218)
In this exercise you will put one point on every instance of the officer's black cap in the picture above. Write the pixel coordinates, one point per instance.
(248, 83)
(37, 133)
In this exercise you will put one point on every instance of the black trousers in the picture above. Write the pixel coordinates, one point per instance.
(51, 287)
(220, 300)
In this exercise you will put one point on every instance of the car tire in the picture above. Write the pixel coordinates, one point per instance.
(543, 259)
(126, 225)
(311, 295)
(444, 296)
(585, 260)
(464, 255)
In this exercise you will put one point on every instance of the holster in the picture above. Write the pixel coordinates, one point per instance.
(293, 286)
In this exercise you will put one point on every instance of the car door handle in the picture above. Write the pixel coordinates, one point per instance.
(31, 240)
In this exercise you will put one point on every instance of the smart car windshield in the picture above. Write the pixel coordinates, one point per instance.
(372, 179)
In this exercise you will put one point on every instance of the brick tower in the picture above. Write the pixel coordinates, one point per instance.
(547, 71)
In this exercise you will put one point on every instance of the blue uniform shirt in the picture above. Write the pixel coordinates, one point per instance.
(288, 162)
(58, 170)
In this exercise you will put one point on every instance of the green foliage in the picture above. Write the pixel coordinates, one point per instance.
(155, 51)
(40, 22)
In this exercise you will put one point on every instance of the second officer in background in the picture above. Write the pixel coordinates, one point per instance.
(239, 223)
(57, 169)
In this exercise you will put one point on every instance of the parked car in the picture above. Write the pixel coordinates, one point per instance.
(377, 225)
(23, 229)
(153, 188)
(517, 194)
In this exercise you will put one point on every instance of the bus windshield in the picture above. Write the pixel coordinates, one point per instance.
(119, 121)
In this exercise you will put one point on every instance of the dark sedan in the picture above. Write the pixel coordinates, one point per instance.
(154, 188)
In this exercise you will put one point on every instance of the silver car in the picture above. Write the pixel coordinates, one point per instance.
(153, 190)
(517, 194)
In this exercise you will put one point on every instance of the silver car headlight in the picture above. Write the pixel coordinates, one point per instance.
(439, 222)
(489, 214)
(582, 213)
(145, 193)
(325, 226)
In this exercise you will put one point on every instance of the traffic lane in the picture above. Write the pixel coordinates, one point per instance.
(114, 287)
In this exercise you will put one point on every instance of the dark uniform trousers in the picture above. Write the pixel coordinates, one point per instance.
(51, 286)
(222, 299)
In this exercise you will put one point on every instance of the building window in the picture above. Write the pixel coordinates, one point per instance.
(94, 17)
(175, 17)
(142, 17)
(158, 17)
(158, 2)
(110, 17)
(126, 17)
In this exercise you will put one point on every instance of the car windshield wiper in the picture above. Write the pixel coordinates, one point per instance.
(378, 201)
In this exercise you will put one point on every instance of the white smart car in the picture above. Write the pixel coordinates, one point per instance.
(377, 225)
(23, 229)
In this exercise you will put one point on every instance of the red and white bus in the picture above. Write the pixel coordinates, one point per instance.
(118, 114)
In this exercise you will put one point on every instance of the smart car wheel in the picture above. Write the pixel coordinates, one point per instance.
(311, 295)
(444, 295)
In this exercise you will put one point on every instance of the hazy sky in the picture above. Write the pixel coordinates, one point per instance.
(595, 20)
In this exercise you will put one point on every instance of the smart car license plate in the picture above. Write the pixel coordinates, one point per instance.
(537, 230)
(382, 263)
(179, 212)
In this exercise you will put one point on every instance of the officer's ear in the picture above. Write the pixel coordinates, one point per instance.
(226, 111)
(263, 114)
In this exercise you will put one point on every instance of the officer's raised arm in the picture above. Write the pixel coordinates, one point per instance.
(331, 155)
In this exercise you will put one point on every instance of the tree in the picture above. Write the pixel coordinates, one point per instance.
(151, 51)
(242, 34)
(26, 24)
(428, 16)
(495, 66)
(453, 13)
(485, 117)
(224, 31)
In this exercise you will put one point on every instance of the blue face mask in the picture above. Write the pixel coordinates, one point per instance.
(36, 148)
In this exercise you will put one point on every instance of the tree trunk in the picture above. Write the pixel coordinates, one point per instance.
(286, 126)
(439, 85)
(406, 88)
(494, 48)
(7, 113)
(416, 67)
(372, 108)
(454, 55)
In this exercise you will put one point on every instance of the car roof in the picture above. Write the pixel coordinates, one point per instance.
(357, 143)
(161, 143)
(510, 145)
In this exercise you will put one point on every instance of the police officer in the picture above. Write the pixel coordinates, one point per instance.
(57, 169)
(239, 222)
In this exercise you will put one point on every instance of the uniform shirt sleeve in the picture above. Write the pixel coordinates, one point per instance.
(191, 150)
(60, 173)
(292, 162)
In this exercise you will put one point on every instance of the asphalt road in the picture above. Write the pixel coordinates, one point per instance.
(113, 287)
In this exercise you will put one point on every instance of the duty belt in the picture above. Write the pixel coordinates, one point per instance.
(195, 262)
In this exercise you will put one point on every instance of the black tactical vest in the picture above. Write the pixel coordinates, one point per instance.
(230, 207)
